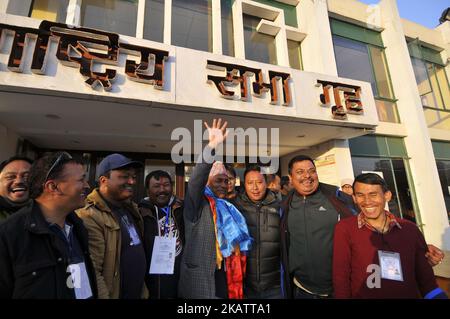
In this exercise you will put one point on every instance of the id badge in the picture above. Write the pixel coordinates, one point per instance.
(391, 266)
(135, 240)
(79, 281)
(163, 256)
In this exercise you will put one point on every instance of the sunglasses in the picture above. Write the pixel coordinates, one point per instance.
(64, 156)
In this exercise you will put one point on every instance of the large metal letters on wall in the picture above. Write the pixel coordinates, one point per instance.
(81, 47)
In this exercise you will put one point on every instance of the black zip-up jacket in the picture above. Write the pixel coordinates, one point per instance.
(155, 285)
(33, 261)
(263, 221)
(313, 233)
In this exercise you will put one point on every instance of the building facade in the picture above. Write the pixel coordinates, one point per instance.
(354, 86)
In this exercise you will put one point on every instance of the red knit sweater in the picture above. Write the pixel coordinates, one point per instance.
(356, 248)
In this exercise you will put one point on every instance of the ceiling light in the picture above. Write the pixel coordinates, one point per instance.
(52, 116)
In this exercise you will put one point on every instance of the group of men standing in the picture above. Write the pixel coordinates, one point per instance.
(59, 241)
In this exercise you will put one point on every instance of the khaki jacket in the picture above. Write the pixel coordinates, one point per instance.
(105, 242)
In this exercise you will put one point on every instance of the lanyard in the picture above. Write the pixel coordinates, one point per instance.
(166, 211)
(66, 235)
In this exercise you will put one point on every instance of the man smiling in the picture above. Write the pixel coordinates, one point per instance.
(310, 215)
(44, 250)
(13, 185)
(377, 255)
(162, 213)
(115, 230)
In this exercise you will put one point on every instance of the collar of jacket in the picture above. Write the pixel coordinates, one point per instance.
(269, 198)
(328, 190)
(149, 208)
(95, 199)
(36, 223)
(11, 207)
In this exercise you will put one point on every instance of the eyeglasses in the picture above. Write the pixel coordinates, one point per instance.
(64, 156)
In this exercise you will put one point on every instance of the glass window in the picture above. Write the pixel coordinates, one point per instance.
(226, 15)
(444, 176)
(443, 85)
(192, 24)
(381, 72)
(394, 173)
(52, 10)
(258, 46)
(295, 56)
(353, 61)
(154, 20)
(403, 192)
(437, 119)
(434, 84)
(117, 16)
(387, 111)
(420, 71)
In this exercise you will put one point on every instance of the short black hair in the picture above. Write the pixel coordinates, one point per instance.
(13, 159)
(40, 169)
(284, 180)
(299, 158)
(254, 168)
(230, 169)
(271, 178)
(371, 179)
(157, 175)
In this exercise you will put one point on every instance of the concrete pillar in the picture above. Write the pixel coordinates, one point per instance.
(3, 5)
(216, 27)
(317, 47)
(238, 30)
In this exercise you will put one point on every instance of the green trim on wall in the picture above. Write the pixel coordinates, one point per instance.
(355, 32)
(290, 12)
(416, 50)
(441, 150)
(378, 146)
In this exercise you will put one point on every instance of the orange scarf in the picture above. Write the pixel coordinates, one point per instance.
(235, 265)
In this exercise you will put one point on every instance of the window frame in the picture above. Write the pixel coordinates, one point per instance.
(393, 100)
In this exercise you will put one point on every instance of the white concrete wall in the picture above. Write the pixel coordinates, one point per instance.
(430, 36)
(418, 144)
(3, 5)
(444, 30)
(317, 47)
(186, 83)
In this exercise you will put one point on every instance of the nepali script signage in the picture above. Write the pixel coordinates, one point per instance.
(82, 47)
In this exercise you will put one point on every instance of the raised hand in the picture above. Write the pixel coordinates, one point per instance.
(217, 133)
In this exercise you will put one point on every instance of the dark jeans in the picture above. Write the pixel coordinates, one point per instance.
(266, 294)
(301, 294)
